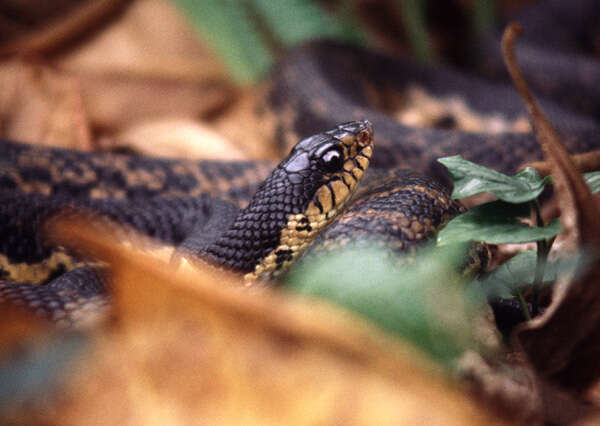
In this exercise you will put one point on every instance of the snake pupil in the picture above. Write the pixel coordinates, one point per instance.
(333, 160)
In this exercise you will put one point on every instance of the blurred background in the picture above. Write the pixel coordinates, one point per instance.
(159, 76)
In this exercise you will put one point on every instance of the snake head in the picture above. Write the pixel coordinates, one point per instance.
(306, 192)
(302, 195)
(328, 166)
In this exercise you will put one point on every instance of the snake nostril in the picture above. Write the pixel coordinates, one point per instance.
(364, 136)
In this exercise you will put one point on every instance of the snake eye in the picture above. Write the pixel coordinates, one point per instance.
(332, 160)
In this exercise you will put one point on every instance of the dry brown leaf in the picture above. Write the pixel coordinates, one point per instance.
(19, 326)
(510, 386)
(563, 344)
(176, 138)
(151, 39)
(42, 25)
(251, 132)
(193, 346)
(40, 105)
(147, 64)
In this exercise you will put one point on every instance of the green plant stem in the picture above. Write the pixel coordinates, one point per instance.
(543, 249)
(524, 305)
(483, 17)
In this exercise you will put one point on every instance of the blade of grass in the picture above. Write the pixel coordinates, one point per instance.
(229, 28)
(413, 17)
(483, 17)
(294, 21)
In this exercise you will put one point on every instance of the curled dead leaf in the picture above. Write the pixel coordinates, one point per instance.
(147, 64)
(193, 344)
(176, 138)
(41, 26)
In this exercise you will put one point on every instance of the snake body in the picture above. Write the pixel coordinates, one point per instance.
(257, 217)
(308, 104)
(258, 229)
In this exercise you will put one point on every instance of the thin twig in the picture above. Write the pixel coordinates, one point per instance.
(542, 256)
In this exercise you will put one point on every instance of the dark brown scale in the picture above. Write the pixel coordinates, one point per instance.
(382, 214)
(63, 299)
(28, 169)
(271, 212)
(168, 219)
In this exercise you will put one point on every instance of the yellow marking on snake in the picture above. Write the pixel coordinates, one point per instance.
(39, 272)
(357, 173)
(340, 189)
(323, 195)
(301, 230)
(348, 179)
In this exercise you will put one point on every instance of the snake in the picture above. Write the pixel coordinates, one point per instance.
(374, 177)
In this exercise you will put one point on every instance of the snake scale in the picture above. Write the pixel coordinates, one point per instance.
(373, 178)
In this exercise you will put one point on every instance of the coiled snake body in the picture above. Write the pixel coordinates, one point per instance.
(284, 208)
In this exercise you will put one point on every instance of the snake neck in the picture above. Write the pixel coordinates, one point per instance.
(256, 231)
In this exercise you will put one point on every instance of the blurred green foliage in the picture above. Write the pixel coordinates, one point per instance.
(413, 18)
(501, 222)
(516, 274)
(249, 34)
(30, 373)
(424, 302)
(471, 179)
(496, 222)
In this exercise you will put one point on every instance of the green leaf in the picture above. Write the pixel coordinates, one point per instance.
(517, 272)
(349, 21)
(495, 223)
(295, 21)
(229, 27)
(413, 18)
(470, 179)
(247, 33)
(423, 302)
(593, 180)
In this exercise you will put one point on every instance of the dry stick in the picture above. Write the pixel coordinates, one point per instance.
(564, 170)
(586, 162)
(71, 24)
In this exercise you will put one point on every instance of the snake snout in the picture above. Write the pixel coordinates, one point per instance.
(360, 131)
(356, 126)
(357, 140)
